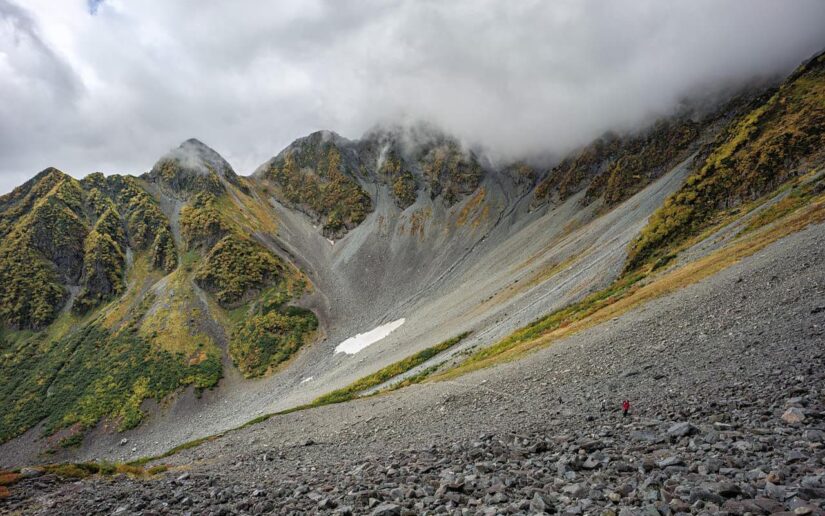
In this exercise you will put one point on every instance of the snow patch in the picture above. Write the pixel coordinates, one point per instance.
(355, 344)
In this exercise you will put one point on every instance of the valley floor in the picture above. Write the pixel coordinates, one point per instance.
(710, 372)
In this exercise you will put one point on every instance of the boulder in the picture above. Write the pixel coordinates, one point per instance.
(387, 509)
(682, 429)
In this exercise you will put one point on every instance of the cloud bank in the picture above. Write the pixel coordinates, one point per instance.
(111, 85)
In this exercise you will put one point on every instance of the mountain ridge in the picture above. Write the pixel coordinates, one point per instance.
(186, 282)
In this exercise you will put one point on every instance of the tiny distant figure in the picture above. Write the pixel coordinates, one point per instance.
(625, 408)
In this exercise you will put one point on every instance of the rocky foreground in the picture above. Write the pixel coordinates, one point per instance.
(727, 380)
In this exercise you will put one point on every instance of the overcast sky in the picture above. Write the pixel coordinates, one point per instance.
(110, 85)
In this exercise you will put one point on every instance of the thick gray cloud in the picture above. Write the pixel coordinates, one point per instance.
(112, 85)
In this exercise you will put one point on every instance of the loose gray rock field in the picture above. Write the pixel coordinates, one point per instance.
(726, 380)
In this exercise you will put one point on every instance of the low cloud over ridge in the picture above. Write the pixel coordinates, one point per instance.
(112, 85)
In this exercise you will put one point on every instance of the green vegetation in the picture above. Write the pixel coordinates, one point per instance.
(171, 173)
(21, 200)
(383, 375)
(312, 177)
(777, 140)
(147, 226)
(805, 206)
(32, 293)
(103, 359)
(271, 332)
(72, 441)
(56, 228)
(201, 223)
(80, 470)
(42, 248)
(193, 168)
(104, 263)
(87, 375)
(164, 254)
(339, 396)
(264, 341)
(59, 231)
(237, 268)
(177, 449)
(248, 280)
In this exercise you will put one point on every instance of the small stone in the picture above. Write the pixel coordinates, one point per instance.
(793, 416)
(591, 463)
(814, 436)
(183, 477)
(669, 461)
(387, 509)
(537, 504)
(326, 503)
(576, 490)
(124, 442)
(774, 491)
(768, 505)
(682, 429)
(795, 456)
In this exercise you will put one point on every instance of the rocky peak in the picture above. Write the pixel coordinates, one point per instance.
(192, 167)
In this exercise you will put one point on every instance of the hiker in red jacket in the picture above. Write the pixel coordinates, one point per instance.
(625, 408)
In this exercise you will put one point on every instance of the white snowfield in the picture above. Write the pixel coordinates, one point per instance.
(355, 344)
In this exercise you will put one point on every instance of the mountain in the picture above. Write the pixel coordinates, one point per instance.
(132, 306)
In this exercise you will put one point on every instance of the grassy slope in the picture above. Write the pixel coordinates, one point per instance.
(779, 139)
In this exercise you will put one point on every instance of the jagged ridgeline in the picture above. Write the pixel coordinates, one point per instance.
(120, 289)
(323, 175)
(419, 157)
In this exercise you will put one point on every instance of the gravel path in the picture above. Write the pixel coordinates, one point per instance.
(726, 378)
